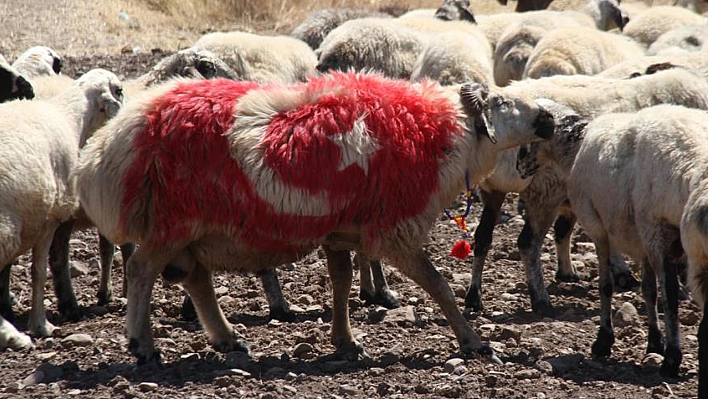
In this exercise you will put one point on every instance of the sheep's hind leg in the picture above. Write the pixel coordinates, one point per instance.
(278, 307)
(38, 324)
(418, 267)
(107, 251)
(199, 286)
(602, 346)
(482, 242)
(655, 342)
(373, 288)
(672, 352)
(126, 250)
(61, 274)
(563, 227)
(339, 265)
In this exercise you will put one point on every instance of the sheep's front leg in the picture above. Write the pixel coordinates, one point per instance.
(126, 250)
(563, 228)
(9, 336)
(418, 267)
(605, 336)
(482, 242)
(703, 354)
(373, 288)
(106, 250)
(278, 307)
(6, 297)
(61, 273)
(339, 266)
(200, 288)
(655, 342)
(38, 324)
(142, 269)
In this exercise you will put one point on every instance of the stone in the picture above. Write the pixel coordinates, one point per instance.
(219, 291)
(504, 333)
(452, 364)
(527, 374)
(544, 367)
(77, 340)
(377, 315)
(77, 269)
(652, 360)
(565, 363)
(301, 349)
(237, 359)
(346, 389)
(689, 318)
(405, 315)
(626, 316)
(147, 386)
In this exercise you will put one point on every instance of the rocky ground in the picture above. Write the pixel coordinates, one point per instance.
(413, 350)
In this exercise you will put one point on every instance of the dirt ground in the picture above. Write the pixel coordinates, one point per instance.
(410, 349)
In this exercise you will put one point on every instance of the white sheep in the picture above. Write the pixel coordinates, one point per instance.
(42, 139)
(449, 10)
(646, 27)
(261, 213)
(319, 23)
(38, 61)
(691, 38)
(454, 58)
(263, 59)
(12, 84)
(544, 194)
(571, 51)
(637, 186)
(697, 61)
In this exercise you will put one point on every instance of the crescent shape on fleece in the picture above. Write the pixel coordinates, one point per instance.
(280, 167)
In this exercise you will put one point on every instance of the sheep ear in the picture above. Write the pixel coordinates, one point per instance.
(467, 15)
(473, 97)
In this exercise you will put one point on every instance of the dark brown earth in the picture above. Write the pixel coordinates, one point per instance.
(408, 356)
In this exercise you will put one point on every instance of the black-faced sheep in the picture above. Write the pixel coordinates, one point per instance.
(450, 10)
(42, 139)
(257, 203)
(12, 85)
(545, 193)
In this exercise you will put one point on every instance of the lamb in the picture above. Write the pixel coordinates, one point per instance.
(263, 59)
(38, 61)
(454, 58)
(544, 194)
(42, 139)
(13, 85)
(655, 21)
(680, 40)
(358, 119)
(571, 51)
(319, 23)
(697, 61)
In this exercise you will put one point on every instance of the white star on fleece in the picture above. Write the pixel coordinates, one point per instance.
(355, 146)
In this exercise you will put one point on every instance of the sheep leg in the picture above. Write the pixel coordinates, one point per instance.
(482, 242)
(703, 354)
(38, 324)
(10, 337)
(602, 346)
(142, 269)
(107, 251)
(6, 297)
(670, 291)
(373, 288)
(199, 285)
(563, 228)
(621, 273)
(418, 268)
(61, 273)
(126, 250)
(278, 307)
(339, 265)
(655, 342)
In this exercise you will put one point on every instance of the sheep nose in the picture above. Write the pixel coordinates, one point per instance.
(322, 68)
(57, 65)
(24, 88)
(544, 124)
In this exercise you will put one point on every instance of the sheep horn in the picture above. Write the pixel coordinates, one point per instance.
(473, 97)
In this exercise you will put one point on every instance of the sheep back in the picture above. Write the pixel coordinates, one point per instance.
(319, 23)
(454, 58)
(646, 27)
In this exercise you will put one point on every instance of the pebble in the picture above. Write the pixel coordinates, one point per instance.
(377, 315)
(689, 318)
(346, 389)
(77, 269)
(237, 359)
(77, 340)
(652, 360)
(626, 315)
(452, 364)
(527, 374)
(147, 386)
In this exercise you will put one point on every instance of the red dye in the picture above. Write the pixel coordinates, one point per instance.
(183, 159)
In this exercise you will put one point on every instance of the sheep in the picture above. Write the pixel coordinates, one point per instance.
(42, 139)
(13, 85)
(646, 27)
(680, 40)
(602, 14)
(697, 61)
(38, 61)
(319, 23)
(263, 59)
(544, 194)
(450, 10)
(670, 141)
(570, 51)
(265, 221)
(528, 5)
(454, 58)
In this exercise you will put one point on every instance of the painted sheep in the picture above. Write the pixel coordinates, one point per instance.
(248, 200)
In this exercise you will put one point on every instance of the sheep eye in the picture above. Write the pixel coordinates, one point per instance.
(119, 92)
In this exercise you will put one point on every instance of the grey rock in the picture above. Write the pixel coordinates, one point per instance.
(77, 268)
(237, 360)
(652, 360)
(527, 374)
(544, 367)
(147, 386)
(346, 389)
(77, 340)
(377, 315)
(565, 363)
(452, 364)
(301, 349)
(405, 315)
(626, 315)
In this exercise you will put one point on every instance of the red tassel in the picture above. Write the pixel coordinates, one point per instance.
(461, 249)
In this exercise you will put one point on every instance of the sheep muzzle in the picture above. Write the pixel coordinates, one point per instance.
(544, 124)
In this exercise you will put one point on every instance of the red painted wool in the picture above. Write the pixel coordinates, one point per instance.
(184, 160)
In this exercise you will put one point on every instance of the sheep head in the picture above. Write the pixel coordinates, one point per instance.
(12, 85)
(104, 91)
(189, 63)
(38, 61)
(503, 118)
(611, 15)
(452, 10)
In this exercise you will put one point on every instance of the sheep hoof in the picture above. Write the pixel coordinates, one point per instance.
(188, 311)
(572, 278)
(351, 351)
(625, 281)
(146, 356)
(672, 361)
(488, 355)
(45, 329)
(543, 308)
(232, 345)
(16, 342)
(72, 311)
(602, 347)
(384, 298)
(655, 342)
(281, 314)
(473, 299)
(105, 297)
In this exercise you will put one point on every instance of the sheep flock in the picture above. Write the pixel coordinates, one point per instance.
(362, 207)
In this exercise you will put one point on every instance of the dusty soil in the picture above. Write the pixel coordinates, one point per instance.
(544, 357)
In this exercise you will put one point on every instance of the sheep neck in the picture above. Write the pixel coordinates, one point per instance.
(76, 105)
